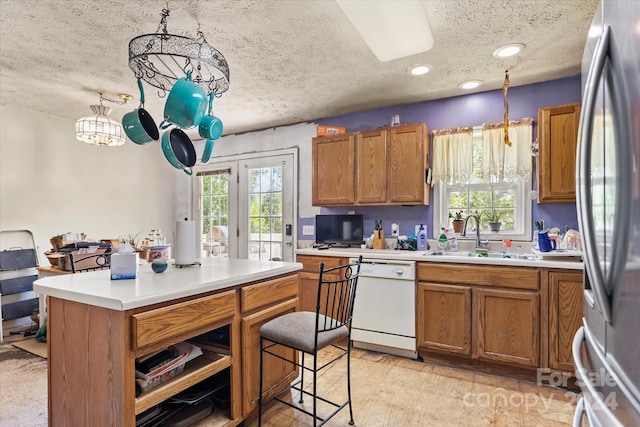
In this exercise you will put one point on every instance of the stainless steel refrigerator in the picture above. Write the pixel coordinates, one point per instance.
(606, 349)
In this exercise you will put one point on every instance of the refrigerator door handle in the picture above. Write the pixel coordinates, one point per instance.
(588, 297)
(579, 412)
(603, 283)
(584, 197)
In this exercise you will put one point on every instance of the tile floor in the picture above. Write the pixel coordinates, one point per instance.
(390, 391)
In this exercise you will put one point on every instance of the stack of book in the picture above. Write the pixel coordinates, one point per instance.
(156, 368)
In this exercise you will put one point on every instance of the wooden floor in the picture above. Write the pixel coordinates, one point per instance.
(394, 391)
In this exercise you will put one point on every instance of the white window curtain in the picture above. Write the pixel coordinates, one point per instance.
(452, 156)
(502, 163)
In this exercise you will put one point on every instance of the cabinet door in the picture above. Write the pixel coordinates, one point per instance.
(408, 151)
(371, 167)
(558, 142)
(507, 326)
(278, 374)
(334, 170)
(309, 276)
(565, 317)
(308, 292)
(444, 318)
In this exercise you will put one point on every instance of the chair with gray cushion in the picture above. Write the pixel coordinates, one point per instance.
(329, 327)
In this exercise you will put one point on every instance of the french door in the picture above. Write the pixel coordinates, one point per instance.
(246, 207)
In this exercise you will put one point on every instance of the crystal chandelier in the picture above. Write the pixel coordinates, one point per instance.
(162, 58)
(99, 128)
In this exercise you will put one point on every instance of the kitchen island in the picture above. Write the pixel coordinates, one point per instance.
(98, 327)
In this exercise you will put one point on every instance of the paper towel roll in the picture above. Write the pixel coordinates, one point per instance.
(185, 244)
(346, 230)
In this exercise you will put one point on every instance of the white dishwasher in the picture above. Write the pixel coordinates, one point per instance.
(384, 311)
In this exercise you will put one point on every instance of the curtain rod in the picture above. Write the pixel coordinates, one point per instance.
(464, 129)
(522, 122)
(460, 129)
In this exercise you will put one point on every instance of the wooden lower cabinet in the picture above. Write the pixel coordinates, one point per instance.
(444, 318)
(565, 317)
(308, 278)
(507, 326)
(277, 373)
(484, 313)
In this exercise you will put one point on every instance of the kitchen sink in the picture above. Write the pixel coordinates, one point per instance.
(465, 254)
(448, 253)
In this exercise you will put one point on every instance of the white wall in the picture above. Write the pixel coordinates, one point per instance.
(50, 183)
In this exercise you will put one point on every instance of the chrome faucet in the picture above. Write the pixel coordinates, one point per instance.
(479, 243)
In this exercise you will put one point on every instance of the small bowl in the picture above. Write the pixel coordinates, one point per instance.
(159, 265)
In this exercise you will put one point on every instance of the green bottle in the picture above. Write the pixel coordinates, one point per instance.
(442, 240)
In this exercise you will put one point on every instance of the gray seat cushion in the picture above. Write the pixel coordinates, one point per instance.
(298, 330)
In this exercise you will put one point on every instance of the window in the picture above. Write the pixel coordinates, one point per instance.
(265, 212)
(214, 217)
(483, 188)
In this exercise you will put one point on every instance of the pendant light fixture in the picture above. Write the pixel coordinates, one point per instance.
(99, 128)
(162, 58)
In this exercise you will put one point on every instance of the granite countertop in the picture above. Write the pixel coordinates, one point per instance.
(571, 263)
(215, 274)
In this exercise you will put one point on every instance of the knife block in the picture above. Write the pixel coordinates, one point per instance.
(378, 239)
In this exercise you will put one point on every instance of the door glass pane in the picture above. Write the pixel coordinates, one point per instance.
(215, 215)
(265, 213)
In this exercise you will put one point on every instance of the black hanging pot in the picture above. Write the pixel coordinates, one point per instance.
(139, 125)
(178, 150)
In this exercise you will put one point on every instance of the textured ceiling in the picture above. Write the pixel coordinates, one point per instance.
(290, 61)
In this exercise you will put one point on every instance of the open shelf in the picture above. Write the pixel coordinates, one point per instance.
(194, 372)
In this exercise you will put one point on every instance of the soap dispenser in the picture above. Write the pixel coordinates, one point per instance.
(422, 239)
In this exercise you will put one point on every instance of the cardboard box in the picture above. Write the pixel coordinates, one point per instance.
(329, 130)
(124, 266)
(83, 258)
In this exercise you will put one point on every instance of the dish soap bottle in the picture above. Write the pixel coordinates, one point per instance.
(442, 240)
(422, 239)
(453, 241)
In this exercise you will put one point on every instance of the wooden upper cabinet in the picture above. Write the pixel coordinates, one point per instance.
(408, 162)
(371, 167)
(386, 167)
(334, 170)
(558, 142)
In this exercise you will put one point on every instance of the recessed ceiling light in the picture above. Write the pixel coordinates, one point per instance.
(420, 69)
(470, 84)
(508, 50)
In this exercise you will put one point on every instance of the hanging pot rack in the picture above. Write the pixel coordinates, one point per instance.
(162, 58)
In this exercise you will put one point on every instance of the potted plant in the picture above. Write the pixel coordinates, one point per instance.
(493, 218)
(457, 221)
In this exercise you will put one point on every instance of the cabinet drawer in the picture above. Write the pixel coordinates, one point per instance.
(480, 275)
(311, 263)
(162, 324)
(268, 293)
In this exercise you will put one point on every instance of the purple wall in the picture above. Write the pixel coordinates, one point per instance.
(467, 110)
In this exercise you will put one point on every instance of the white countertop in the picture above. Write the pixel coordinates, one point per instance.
(97, 288)
(572, 263)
